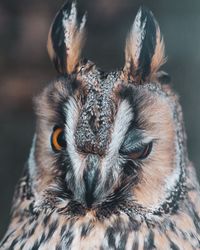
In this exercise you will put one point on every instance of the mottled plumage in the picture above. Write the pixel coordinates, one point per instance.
(108, 168)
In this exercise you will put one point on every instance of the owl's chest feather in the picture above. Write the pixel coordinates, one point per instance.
(117, 232)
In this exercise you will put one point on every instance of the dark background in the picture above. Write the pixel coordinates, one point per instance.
(25, 67)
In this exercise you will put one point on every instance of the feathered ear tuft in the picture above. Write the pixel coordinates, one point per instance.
(144, 50)
(66, 38)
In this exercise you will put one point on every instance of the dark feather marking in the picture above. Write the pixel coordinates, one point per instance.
(172, 227)
(52, 228)
(46, 220)
(63, 192)
(110, 236)
(149, 241)
(192, 235)
(66, 233)
(164, 78)
(86, 229)
(184, 235)
(117, 229)
(65, 181)
(73, 84)
(32, 213)
(6, 239)
(68, 238)
(57, 36)
(20, 189)
(58, 247)
(42, 239)
(173, 246)
(148, 44)
(135, 245)
(133, 224)
(195, 217)
(35, 246)
(24, 236)
(23, 244)
(73, 209)
(171, 204)
(14, 242)
(131, 169)
(123, 241)
(63, 229)
(118, 201)
(32, 230)
(24, 189)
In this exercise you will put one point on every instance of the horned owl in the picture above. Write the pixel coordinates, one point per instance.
(108, 168)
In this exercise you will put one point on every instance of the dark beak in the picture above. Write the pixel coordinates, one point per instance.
(91, 178)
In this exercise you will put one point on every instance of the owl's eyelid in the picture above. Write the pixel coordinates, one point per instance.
(58, 126)
(137, 146)
(134, 148)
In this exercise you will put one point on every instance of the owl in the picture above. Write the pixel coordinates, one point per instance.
(108, 167)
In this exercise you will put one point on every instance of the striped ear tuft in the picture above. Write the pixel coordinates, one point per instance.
(66, 38)
(144, 50)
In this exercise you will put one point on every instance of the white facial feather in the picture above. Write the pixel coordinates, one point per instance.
(121, 124)
(71, 121)
(31, 159)
(171, 181)
(72, 114)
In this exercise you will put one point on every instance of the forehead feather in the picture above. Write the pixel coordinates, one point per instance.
(98, 96)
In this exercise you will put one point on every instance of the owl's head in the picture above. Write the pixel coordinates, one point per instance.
(105, 140)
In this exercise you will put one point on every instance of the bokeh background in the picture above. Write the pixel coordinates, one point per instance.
(25, 67)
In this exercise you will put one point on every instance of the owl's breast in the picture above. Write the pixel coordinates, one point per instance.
(115, 232)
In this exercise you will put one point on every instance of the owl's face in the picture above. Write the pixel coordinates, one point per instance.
(105, 139)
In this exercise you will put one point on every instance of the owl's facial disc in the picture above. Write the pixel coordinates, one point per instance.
(133, 151)
(107, 141)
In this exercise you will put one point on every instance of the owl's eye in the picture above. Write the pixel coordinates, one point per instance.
(58, 139)
(141, 152)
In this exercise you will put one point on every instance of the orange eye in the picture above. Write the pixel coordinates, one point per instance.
(141, 153)
(58, 139)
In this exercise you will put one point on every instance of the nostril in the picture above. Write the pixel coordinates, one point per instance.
(90, 177)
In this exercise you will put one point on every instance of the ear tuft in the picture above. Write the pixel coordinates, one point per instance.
(66, 38)
(144, 50)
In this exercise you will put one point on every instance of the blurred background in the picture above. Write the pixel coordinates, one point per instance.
(25, 68)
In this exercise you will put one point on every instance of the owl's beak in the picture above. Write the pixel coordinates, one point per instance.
(91, 178)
